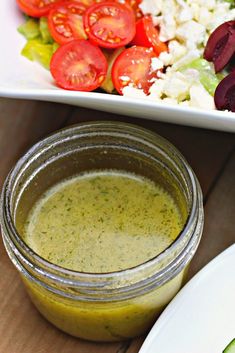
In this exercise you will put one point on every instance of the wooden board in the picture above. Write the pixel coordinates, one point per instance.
(211, 154)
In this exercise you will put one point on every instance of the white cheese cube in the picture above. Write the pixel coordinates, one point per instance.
(200, 98)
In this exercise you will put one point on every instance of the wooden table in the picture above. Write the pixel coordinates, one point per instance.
(210, 153)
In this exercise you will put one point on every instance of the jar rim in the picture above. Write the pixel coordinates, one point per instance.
(61, 135)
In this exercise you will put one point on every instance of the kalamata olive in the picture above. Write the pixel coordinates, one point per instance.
(220, 46)
(225, 93)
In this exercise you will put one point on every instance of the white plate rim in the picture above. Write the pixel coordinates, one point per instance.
(185, 291)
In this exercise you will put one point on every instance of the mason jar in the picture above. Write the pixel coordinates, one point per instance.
(109, 306)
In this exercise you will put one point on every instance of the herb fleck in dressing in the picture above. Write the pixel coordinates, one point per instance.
(103, 221)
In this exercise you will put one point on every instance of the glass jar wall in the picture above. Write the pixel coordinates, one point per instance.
(109, 306)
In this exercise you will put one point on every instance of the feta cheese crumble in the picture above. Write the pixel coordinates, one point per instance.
(185, 25)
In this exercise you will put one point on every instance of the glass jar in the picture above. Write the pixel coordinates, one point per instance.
(110, 306)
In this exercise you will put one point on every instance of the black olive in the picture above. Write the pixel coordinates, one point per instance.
(220, 46)
(225, 93)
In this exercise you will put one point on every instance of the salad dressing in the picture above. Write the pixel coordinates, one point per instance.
(103, 221)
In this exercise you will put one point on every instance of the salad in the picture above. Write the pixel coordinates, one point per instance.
(172, 51)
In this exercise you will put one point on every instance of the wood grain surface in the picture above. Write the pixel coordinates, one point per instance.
(210, 153)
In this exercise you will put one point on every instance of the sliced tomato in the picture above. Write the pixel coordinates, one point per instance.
(148, 36)
(135, 7)
(78, 65)
(134, 67)
(109, 24)
(88, 3)
(36, 8)
(65, 21)
(134, 4)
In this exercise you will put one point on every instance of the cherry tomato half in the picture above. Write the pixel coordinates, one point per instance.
(65, 21)
(134, 66)
(134, 4)
(79, 66)
(148, 36)
(88, 3)
(36, 8)
(110, 24)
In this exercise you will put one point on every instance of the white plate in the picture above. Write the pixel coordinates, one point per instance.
(20, 78)
(201, 318)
